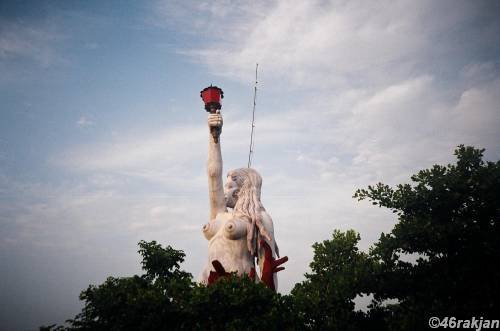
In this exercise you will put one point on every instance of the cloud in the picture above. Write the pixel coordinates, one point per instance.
(34, 43)
(84, 121)
(477, 115)
(321, 45)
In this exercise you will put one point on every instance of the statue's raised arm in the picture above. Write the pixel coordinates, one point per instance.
(214, 166)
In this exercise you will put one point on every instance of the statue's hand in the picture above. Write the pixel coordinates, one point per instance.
(218, 273)
(215, 120)
(270, 266)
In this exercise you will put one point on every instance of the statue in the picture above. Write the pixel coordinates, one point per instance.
(239, 230)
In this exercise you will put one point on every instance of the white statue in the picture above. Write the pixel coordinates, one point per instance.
(239, 235)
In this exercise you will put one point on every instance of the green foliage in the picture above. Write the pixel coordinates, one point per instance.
(236, 303)
(448, 219)
(166, 298)
(153, 301)
(161, 263)
(340, 272)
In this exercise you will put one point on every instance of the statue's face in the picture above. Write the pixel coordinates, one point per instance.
(231, 191)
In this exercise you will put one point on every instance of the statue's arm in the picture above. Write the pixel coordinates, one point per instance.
(214, 168)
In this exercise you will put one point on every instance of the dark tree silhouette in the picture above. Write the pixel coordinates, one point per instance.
(449, 218)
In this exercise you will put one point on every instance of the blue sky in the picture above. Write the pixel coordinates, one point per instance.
(103, 136)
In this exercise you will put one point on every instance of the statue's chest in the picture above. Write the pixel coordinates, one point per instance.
(227, 236)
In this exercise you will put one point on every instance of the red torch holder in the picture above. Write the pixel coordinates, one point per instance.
(211, 97)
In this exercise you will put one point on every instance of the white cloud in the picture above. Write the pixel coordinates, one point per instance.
(477, 116)
(319, 44)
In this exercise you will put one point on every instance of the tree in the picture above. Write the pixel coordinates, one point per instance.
(238, 303)
(449, 219)
(153, 301)
(166, 298)
(340, 272)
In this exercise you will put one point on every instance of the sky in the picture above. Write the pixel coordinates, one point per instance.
(103, 135)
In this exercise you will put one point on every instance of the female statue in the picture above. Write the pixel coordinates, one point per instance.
(239, 228)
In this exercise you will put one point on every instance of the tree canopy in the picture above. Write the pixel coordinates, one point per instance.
(448, 218)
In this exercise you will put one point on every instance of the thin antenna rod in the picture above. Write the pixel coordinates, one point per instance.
(250, 152)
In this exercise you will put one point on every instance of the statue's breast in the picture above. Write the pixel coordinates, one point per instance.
(227, 243)
(225, 226)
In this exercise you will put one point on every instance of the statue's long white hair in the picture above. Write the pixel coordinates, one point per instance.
(248, 205)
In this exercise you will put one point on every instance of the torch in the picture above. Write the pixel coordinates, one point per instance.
(211, 97)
